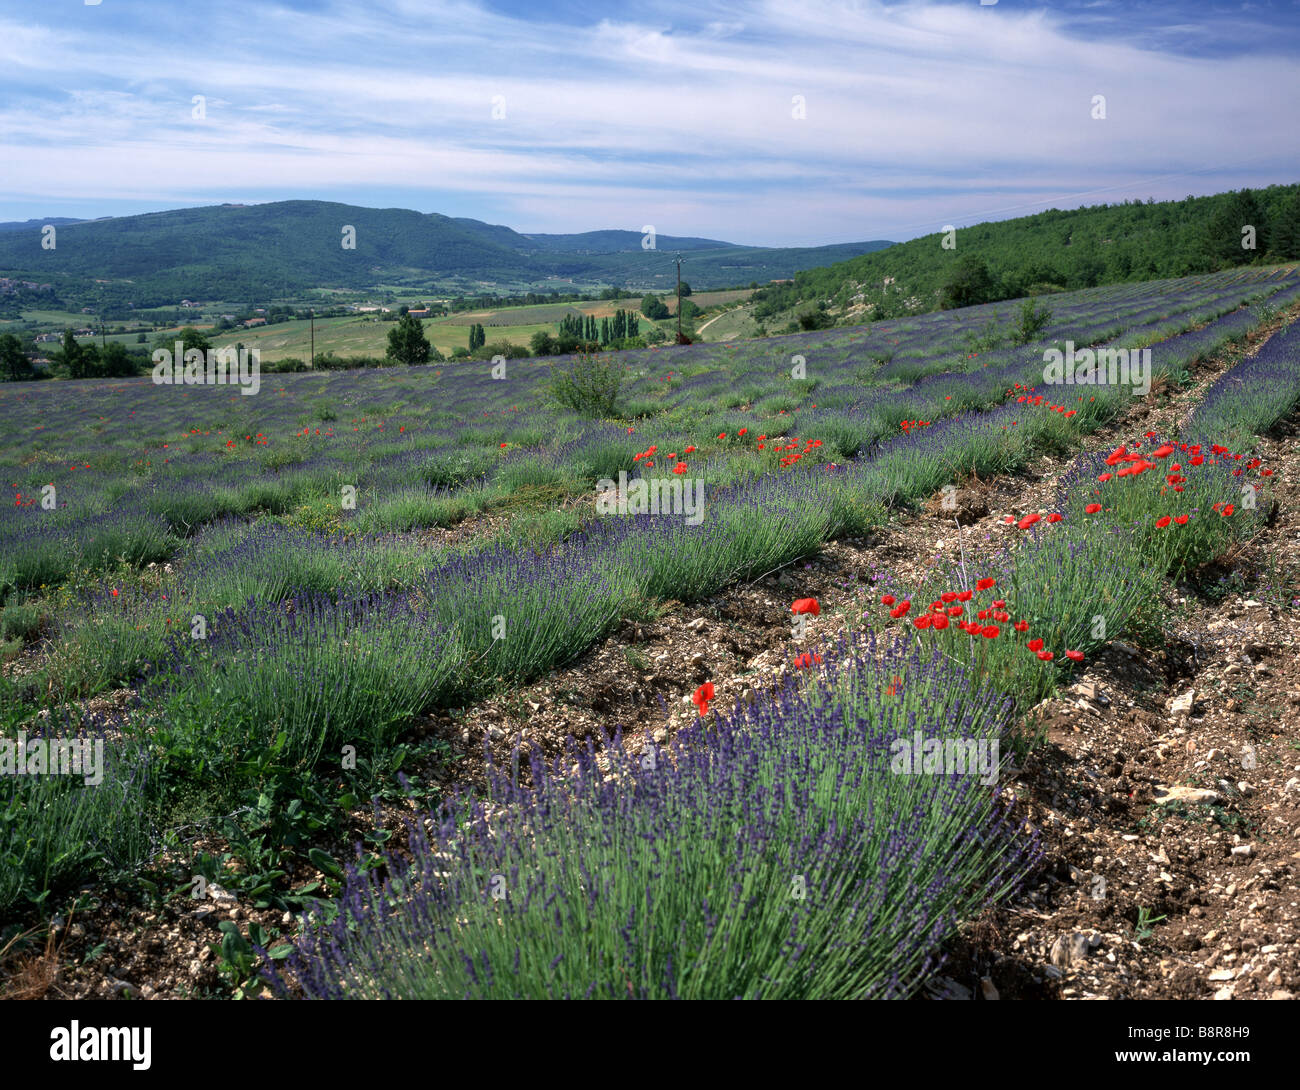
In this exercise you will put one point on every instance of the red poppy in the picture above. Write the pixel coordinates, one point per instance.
(1054, 517)
(1227, 511)
(886, 599)
(948, 596)
(1163, 522)
(1035, 644)
(113, 592)
(689, 450)
(923, 621)
(986, 584)
(1092, 508)
(1104, 477)
(1028, 521)
(742, 431)
(1046, 656)
(806, 605)
(1180, 519)
(1162, 451)
(1075, 656)
(965, 596)
(990, 631)
(954, 611)
(679, 468)
(503, 446)
(998, 603)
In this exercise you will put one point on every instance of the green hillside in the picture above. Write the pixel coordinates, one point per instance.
(1051, 251)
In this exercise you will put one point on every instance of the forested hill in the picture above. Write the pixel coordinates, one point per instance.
(1050, 251)
(276, 249)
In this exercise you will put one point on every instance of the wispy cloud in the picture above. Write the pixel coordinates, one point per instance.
(770, 123)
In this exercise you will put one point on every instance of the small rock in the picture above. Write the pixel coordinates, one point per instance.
(1245, 788)
(1183, 793)
(1281, 993)
(1244, 849)
(987, 990)
(1182, 705)
(697, 625)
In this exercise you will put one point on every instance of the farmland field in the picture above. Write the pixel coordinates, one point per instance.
(296, 618)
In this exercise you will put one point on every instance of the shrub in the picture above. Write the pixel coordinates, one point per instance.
(589, 385)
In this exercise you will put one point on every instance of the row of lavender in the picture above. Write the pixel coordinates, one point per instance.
(175, 485)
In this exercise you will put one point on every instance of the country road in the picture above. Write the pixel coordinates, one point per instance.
(717, 316)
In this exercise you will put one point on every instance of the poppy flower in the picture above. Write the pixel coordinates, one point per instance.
(704, 693)
(679, 468)
(954, 611)
(1104, 477)
(1046, 656)
(113, 592)
(503, 446)
(886, 599)
(722, 435)
(1054, 517)
(1163, 522)
(1227, 510)
(923, 621)
(1180, 519)
(1074, 656)
(689, 450)
(990, 631)
(948, 596)
(986, 584)
(965, 595)
(1035, 644)
(1162, 451)
(940, 621)
(1092, 508)
(806, 659)
(1028, 521)
(806, 605)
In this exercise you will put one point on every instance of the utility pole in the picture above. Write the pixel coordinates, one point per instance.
(312, 361)
(679, 298)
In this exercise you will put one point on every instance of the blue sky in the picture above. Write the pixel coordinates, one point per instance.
(676, 115)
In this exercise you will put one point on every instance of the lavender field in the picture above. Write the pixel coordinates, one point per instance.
(256, 605)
